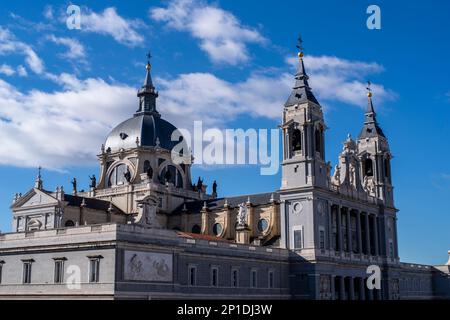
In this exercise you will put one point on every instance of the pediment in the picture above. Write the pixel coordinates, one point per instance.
(34, 198)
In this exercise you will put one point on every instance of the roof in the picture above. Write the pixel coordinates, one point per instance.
(91, 203)
(150, 129)
(218, 203)
(301, 92)
(371, 128)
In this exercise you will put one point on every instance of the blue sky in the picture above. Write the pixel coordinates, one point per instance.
(229, 63)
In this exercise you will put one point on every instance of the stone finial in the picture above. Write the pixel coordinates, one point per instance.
(110, 208)
(225, 205)
(272, 198)
(248, 200)
(184, 207)
(205, 206)
(448, 262)
(83, 203)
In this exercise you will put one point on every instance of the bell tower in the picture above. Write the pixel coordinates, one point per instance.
(303, 129)
(375, 156)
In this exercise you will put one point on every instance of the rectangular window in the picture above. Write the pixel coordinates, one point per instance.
(271, 279)
(1, 270)
(322, 239)
(94, 270)
(234, 278)
(192, 275)
(298, 243)
(214, 276)
(253, 278)
(26, 278)
(59, 271)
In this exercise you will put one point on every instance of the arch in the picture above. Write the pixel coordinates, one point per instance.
(296, 140)
(171, 173)
(114, 172)
(196, 229)
(217, 229)
(368, 167)
(69, 223)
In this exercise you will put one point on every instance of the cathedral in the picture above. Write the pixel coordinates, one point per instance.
(144, 231)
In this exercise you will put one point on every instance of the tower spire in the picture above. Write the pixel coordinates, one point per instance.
(147, 94)
(301, 92)
(371, 127)
(38, 184)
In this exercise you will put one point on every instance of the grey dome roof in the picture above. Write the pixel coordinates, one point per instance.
(147, 127)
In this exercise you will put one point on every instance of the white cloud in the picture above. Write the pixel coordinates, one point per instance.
(10, 45)
(67, 127)
(6, 69)
(222, 36)
(48, 12)
(61, 128)
(110, 23)
(75, 50)
(21, 71)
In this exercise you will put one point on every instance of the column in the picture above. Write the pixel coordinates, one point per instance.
(351, 289)
(341, 288)
(349, 232)
(362, 286)
(339, 228)
(394, 226)
(358, 230)
(375, 231)
(366, 218)
(332, 288)
(330, 227)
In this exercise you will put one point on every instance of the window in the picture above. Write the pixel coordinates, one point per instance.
(271, 279)
(196, 228)
(69, 223)
(192, 275)
(322, 239)
(59, 270)
(172, 175)
(235, 278)
(253, 278)
(298, 241)
(318, 137)
(215, 276)
(263, 224)
(391, 249)
(386, 168)
(368, 167)
(94, 269)
(117, 176)
(26, 277)
(296, 140)
(217, 229)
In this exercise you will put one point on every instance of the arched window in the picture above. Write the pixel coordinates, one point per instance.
(368, 167)
(148, 169)
(318, 138)
(296, 140)
(196, 228)
(69, 223)
(386, 168)
(117, 176)
(172, 175)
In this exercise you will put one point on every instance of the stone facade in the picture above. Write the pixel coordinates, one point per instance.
(144, 231)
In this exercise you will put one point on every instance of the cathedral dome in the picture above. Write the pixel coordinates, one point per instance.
(146, 130)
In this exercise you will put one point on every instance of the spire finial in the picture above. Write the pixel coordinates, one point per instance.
(149, 56)
(369, 89)
(38, 183)
(300, 46)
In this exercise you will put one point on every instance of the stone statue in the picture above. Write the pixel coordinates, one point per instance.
(74, 185)
(352, 175)
(369, 185)
(147, 213)
(199, 184)
(150, 172)
(127, 175)
(214, 187)
(242, 215)
(337, 174)
(167, 176)
(93, 184)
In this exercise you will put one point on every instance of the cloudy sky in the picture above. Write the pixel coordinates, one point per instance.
(230, 65)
